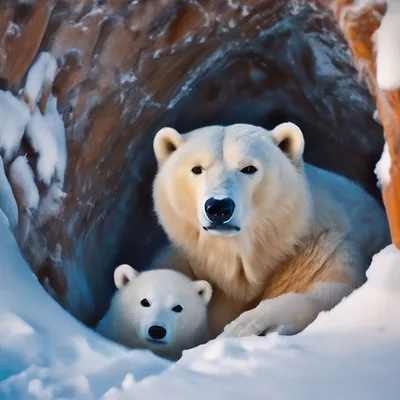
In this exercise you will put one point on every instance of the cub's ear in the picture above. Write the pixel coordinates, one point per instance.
(204, 290)
(289, 138)
(166, 141)
(123, 275)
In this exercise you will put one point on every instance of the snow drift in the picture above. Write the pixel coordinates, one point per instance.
(348, 353)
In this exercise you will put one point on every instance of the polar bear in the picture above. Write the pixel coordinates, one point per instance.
(160, 310)
(279, 240)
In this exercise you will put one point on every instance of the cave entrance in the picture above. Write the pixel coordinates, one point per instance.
(287, 71)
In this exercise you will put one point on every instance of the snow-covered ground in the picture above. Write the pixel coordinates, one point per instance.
(352, 352)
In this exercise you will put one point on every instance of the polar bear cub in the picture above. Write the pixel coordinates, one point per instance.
(160, 310)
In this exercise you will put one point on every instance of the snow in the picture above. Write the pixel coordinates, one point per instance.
(40, 77)
(26, 193)
(387, 40)
(382, 168)
(44, 143)
(56, 126)
(14, 115)
(22, 180)
(8, 205)
(350, 352)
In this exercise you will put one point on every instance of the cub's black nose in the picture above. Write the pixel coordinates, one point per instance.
(219, 211)
(157, 332)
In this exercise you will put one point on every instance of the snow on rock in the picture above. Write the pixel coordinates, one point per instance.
(26, 193)
(56, 126)
(41, 138)
(387, 40)
(51, 203)
(40, 78)
(23, 183)
(14, 116)
(8, 205)
(382, 168)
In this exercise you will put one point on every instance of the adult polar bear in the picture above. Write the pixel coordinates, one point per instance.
(279, 240)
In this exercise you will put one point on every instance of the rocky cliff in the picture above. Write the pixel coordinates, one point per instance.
(126, 68)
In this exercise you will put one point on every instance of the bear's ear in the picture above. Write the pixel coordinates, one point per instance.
(204, 290)
(289, 138)
(166, 141)
(123, 275)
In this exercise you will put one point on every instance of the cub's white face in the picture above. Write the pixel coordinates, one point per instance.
(163, 307)
(219, 178)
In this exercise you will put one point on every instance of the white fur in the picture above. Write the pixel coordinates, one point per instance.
(128, 322)
(295, 228)
(289, 313)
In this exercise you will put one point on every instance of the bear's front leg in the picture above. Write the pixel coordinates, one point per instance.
(287, 314)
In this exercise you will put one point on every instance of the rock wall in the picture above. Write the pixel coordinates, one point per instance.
(129, 67)
(360, 24)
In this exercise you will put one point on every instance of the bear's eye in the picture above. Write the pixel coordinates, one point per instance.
(249, 170)
(145, 303)
(197, 170)
(177, 308)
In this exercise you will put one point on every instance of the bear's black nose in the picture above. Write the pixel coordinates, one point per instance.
(219, 211)
(157, 332)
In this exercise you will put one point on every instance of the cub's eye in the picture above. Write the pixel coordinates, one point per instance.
(145, 303)
(249, 170)
(177, 308)
(197, 170)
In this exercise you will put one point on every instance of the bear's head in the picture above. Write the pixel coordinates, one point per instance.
(233, 181)
(164, 309)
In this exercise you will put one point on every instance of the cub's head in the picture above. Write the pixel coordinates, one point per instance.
(222, 180)
(164, 308)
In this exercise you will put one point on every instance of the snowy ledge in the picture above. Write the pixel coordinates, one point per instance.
(351, 352)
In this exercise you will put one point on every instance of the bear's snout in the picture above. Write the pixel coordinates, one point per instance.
(219, 212)
(157, 332)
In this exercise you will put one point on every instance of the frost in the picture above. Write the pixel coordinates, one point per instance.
(129, 77)
(157, 53)
(40, 78)
(387, 40)
(382, 168)
(233, 5)
(43, 142)
(231, 23)
(12, 29)
(14, 115)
